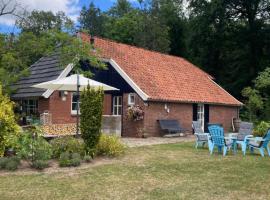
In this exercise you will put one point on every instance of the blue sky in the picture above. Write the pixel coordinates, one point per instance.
(70, 7)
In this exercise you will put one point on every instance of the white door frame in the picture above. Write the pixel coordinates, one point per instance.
(200, 114)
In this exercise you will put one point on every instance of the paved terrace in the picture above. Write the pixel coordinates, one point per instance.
(136, 142)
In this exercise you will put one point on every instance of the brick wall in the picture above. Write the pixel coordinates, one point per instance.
(43, 105)
(61, 110)
(223, 115)
(61, 114)
(131, 128)
(156, 110)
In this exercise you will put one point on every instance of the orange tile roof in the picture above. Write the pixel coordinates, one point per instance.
(163, 77)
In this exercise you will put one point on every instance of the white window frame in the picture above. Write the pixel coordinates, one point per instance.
(117, 105)
(74, 112)
(130, 103)
(200, 114)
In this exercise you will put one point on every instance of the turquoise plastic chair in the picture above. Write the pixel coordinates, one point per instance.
(260, 143)
(217, 137)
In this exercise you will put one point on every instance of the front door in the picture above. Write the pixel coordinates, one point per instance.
(117, 105)
(200, 115)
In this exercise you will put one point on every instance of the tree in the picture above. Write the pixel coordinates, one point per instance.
(8, 126)
(258, 98)
(91, 117)
(8, 7)
(38, 22)
(120, 8)
(229, 40)
(20, 51)
(92, 20)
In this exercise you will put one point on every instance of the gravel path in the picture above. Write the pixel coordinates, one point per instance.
(136, 142)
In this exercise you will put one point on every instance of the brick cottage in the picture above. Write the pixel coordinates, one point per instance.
(164, 86)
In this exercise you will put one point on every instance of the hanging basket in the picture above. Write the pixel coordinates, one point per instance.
(135, 113)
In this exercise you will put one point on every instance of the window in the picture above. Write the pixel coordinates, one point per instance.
(30, 106)
(74, 103)
(131, 99)
(117, 105)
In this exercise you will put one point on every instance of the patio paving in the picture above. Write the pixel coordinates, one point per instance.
(137, 142)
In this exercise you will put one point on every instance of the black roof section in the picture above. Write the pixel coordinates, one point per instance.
(45, 69)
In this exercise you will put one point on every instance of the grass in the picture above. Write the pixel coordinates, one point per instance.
(172, 171)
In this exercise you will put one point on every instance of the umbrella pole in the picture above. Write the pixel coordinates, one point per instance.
(78, 98)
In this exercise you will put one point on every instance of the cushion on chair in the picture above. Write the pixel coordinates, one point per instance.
(228, 142)
(202, 137)
(254, 144)
(241, 137)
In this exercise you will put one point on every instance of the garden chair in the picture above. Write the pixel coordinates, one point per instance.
(245, 132)
(260, 143)
(217, 137)
(201, 137)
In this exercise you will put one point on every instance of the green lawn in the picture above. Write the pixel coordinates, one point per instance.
(173, 171)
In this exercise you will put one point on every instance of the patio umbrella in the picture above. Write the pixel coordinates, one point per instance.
(74, 82)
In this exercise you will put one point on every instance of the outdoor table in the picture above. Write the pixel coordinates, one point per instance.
(233, 139)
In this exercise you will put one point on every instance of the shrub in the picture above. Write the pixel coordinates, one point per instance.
(12, 165)
(110, 146)
(87, 158)
(40, 164)
(75, 159)
(8, 125)
(67, 144)
(91, 116)
(67, 159)
(3, 162)
(32, 146)
(64, 160)
(261, 129)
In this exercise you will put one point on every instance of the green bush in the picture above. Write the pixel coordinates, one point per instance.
(3, 162)
(67, 144)
(110, 146)
(91, 116)
(9, 163)
(87, 158)
(33, 147)
(40, 164)
(64, 160)
(12, 165)
(75, 159)
(8, 126)
(261, 129)
(68, 159)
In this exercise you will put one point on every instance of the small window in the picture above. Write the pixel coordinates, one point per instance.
(131, 99)
(30, 106)
(74, 104)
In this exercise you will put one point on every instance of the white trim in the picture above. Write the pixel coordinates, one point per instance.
(122, 73)
(63, 74)
(226, 91)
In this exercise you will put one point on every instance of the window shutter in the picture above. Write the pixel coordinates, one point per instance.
(206, 117)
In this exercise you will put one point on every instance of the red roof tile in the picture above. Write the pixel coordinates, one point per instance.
(163, 77)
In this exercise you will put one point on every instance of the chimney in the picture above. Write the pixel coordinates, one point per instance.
(92, 40)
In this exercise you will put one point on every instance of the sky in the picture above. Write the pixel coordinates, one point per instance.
(70, 7)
